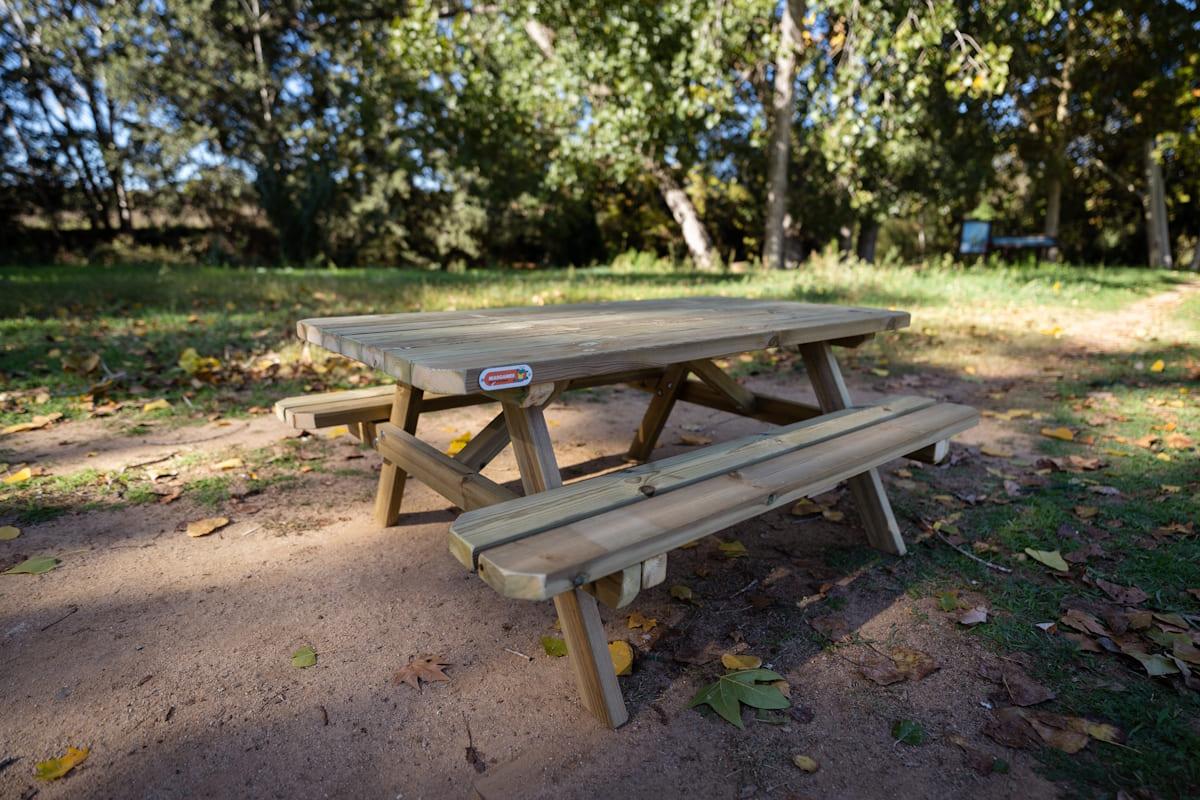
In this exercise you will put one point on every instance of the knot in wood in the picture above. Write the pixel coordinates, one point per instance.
(647, 489)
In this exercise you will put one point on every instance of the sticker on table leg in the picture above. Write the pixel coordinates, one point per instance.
(509, 377)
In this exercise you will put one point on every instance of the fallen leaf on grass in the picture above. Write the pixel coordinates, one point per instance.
(304, 657)
(976, 616)
(37, 423)
(55, 768)
(20, 476)
(732, 549)
(906, 731)
(1021, 727)
(1175, 441)
(806, 763)
(1050, 558)
(694, 440)
(203, 527)
(622, 657)
(914, 664)
(422, 668)
(996, 451)
(1086, 512)
(337, 431)
(8, 533)
(554, 647)
(1158, 366)
(171, 496)
(751, 687)
(881, 670)
(156, 405)
(636, 621)
(33, 566)
(736, 662)
(1065, 434)
(1022, 689)
(983, 763)
(230, 463)
(681, 592)
(1130, 595)
(1156, 664)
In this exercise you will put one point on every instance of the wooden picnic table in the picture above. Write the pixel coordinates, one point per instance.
(524, 358)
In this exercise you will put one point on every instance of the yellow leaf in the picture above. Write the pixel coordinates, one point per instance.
(230, 463)
(694, 440)
(831, 515)
(55, 768)
(805, 508)
(1086, 512)
(1158, 366)
(1066, 434)
(730, 661)
(193, 363)
(681, 592)
(203, 527)
(1050, 558)
(784, 688)
(160, 404)
(8, 533)
(636, 620)
(622, 657)
(806, 763)
(458, 443)
(336, 431)
(733, 549)
(882, 373)
(995, 451)
(20, 476)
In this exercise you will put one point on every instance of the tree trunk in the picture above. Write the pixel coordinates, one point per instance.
(1158, 237)
(1195, 265)
(868, 235)
(783, 103)
(695, 235)
(1053, 212)
(1058, 159)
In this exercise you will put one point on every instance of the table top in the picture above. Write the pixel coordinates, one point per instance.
(464, 352)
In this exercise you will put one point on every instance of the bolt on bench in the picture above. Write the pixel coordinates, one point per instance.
(607, 537)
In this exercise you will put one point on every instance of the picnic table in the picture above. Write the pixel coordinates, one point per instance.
(606, 537)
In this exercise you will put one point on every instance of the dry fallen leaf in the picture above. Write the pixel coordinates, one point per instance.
(1022, 689)
(155, 405)
(426, 668)
(806, 763)
(694, 440)
(636, 621)
(37, 423)
(1065, 434)
(1050, 558)
(996, 451)
(55, 768)
(805, 508)
(1130, 595)
(203, 527)
(8, 533)
(20, 476)
(975, 616)
(1086, 512)
(732, 549)
(913, 663)
(1158, 366)
(229, 463)
(731, 661)
(622, 657)
(458, 443)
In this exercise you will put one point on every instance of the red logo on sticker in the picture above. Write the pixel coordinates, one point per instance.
(506, 377)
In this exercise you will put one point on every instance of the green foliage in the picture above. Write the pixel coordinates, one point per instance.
(751, 687)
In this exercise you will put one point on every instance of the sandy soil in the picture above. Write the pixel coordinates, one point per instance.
(170, 656)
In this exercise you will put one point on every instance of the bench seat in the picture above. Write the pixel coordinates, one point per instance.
(542, 545)
(354, 406)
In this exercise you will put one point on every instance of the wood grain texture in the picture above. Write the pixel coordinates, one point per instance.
(655, 418)
(555, 560)
(742, 398)
(619, 589)
(578, 616)
(767, 408)
(453, 480)
(445, 352)
(406, 408)
(870, 498)
(477, 532)
(485, 445)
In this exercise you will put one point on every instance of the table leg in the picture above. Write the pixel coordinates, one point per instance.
(655, 419)
(406, 407)
(587, 646)
(866, 488)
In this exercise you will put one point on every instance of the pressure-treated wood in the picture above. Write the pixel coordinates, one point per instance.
(578, 616)
(774, 410)
(867, 488)
(452, 479)
(655, 418)
(553, 561)
(445, 352)
(619, 589)
(472, 534)
(406, 407)
(486, 444)
(312, 411)
(742, 398)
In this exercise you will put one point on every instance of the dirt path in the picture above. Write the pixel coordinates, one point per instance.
(169, 656)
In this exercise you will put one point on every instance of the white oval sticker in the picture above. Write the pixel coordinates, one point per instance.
(506, 377)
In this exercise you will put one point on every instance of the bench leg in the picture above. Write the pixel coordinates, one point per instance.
(867, 488)
(406, 407)
(587, 646)
(655, 419)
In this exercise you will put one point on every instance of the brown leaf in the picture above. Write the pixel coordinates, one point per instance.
(426, 668)
(975, 616)
(1080, 556)
(1122, 594)
(1085, 643)
(1084, 622)
(1068, 734)
(203, 527)
(1009, 728)
(832, 626)
(881, 670)
(1022, 689)
(1178, 441)
(913, 663)
(977, 760)
(694, 439)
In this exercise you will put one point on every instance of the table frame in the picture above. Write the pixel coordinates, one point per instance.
(522, 423)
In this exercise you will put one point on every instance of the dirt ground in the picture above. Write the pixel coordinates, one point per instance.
(169, 656)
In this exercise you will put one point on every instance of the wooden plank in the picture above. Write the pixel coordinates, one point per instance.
(578, 616)
(654, 571)
(556, 560)
(767, 408)
(742, 398)
(619, 589)
(453, 480)
(870, 498)
(406, 407)
(656, 415)
(933, 454)
(446, 351)
(485, 445)
(472, 534)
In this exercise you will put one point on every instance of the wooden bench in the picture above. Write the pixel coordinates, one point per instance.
(611, 533)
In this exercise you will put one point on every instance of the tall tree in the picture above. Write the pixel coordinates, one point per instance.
(783, 110)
